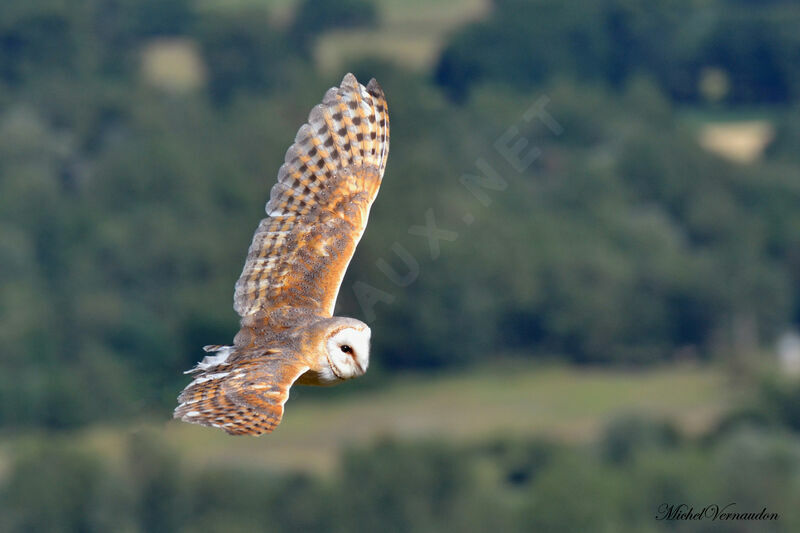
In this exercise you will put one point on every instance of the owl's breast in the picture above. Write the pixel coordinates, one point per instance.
(322, 376)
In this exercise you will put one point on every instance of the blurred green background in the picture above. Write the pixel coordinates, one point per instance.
(606, 327)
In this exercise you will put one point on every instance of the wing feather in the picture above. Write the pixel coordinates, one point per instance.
(244, 398)
(319, 207)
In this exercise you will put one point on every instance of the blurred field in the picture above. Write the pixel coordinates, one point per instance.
(411, 36)
(173, 65)
(410, 33)
(554, 401)
(741, 142)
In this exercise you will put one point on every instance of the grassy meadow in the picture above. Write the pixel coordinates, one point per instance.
(563, 403)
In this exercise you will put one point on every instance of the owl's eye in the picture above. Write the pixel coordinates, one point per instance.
(346, 349)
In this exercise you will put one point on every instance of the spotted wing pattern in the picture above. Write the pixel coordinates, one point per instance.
(244, 397)
(318, 209)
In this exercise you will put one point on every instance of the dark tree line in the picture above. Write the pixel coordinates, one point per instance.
(676, 43)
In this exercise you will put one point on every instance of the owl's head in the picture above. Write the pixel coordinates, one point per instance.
(347, 347)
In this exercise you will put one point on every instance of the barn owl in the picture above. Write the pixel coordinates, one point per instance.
(285, 296)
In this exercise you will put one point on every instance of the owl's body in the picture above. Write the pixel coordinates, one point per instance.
(317, 211)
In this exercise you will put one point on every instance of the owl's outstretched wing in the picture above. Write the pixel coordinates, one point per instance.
(318, 209)
(244, 397)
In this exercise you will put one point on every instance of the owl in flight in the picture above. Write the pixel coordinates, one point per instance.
(317, 213)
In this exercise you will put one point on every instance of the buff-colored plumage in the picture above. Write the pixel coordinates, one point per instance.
(317, 211)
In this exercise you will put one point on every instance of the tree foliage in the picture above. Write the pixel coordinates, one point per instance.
(525, 42)
(126, 210)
